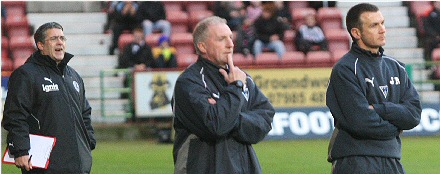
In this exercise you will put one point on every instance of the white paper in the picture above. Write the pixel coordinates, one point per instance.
(41, 146)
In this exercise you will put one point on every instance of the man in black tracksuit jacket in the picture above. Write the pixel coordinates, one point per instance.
(217, 117)
(371, 99)
(46, 97)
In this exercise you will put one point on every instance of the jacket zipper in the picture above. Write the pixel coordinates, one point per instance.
(38, 121)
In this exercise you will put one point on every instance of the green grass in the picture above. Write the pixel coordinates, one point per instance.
(420, 156)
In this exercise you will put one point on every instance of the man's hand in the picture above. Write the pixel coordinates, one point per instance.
(23, 162)
(235, 73)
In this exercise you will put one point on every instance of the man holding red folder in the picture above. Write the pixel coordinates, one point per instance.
(46, 97)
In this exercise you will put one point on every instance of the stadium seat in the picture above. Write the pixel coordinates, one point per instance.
(196, 16)
(7, 64)
(179, 21)
(420, 10)
(293, 58)
(183, 43)
(184, 60)
(298, 15)
(17, 26)
(318, 57)
(173, 6)
(329, 18)
(196, 6)
(242, 60)
(5, 47)
(436, 54)
(293, 5)
(338, 39)
(124, 40)
(337, 54)
(289, 37)
(16, 10)
(18, 42)
(152, 39)
(267, 58)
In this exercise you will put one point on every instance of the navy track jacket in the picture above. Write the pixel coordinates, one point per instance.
(217, 138)
(360, 79)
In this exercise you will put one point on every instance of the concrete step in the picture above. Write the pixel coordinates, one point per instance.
(95, 93)
(73, 23)
(87, 50)
(94, 60)
(401, 42)
(380, 4)
(430, 96)
(62, 6)
(394, 32)
(405, 53)
(109, 82)
(89, 39)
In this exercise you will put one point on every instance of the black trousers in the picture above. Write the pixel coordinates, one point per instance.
(367, 165)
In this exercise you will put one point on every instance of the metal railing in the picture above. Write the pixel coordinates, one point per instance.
(123, 90)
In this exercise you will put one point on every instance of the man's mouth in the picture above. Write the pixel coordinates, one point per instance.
(58, 49)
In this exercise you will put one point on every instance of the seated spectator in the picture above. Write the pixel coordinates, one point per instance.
(246, 32)
(432, 29)
(164, 55)
(232, 11)
(269, 32)
(284, 14)
(153, 17)
(124, 19)
(310, 36)
(137, 54)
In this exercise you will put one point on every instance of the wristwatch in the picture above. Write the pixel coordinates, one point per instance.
(238, 84)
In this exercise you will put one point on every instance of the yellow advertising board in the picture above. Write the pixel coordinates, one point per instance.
(293, 87)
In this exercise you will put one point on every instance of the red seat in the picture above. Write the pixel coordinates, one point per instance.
(152, 39)
(7, 64)
(289, 37)
(330, 18)
(267, 58)
(318, 57)
(173, 5)
(337, 54)
(420, 10)
(337, 39)
(298, 15)
(184, 60)
(242, 60)
(196, 6)
(21, 42)
(17, 26)
(179, 21)
(196, 16)
(293, 5)
(183, 42)
(293, 58)
(124, 40)
(435, 54)
(5, 47)
(16, 10)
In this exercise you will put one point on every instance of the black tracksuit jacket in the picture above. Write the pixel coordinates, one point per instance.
(360, 79)
(217, 138)
(49, 100)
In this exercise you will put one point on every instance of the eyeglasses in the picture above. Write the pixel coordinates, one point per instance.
(55, 38)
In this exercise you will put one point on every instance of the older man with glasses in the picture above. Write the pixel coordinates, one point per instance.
(46, 97)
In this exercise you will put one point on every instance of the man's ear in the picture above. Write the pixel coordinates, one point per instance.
(202, 47)
(40, 45)
(356, 33)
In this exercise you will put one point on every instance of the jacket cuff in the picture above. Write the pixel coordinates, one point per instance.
(380, 109)
(21, 153)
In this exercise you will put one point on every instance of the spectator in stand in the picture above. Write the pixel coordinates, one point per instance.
(232, 11)
(310, 36)
(269, 31)
(432, 29)
(137, 54)
(153, 17)
(164, 55)
(125, 19)
(246, 32)
(283, 14)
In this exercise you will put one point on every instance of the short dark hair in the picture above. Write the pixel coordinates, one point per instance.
(41, 33)
(353, 15)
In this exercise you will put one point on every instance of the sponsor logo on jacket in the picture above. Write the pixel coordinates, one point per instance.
(51, 87)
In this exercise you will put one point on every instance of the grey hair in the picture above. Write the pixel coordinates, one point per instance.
(200, 32)
(41, 33)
